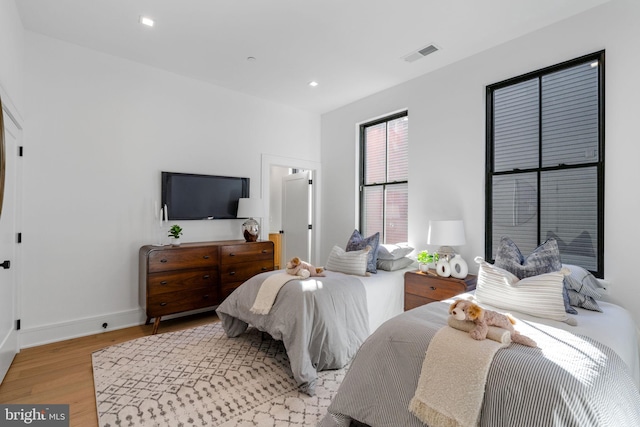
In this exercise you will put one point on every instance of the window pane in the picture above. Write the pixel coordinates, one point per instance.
(569, 213)
(570, 116)
(398, 133)
(515, 205)
(516, 136)
(372, 211)
(397, 212)
(375, 153)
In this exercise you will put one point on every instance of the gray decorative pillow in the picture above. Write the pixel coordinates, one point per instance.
(544, 259)
(354, 262)
(580, 300)
(582, 281)
(394, 264)
(357, 242)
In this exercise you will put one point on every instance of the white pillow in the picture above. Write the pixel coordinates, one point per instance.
(394, 264)
(582, 281)
(393, 252)
(352, 262)
(539, 296)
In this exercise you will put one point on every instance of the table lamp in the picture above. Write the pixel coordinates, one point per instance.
(250, 208)
(447, 234)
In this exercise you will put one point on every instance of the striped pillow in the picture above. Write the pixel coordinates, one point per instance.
(539, 296)
(352, 262)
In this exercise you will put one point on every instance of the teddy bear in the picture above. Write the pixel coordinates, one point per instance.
(467, 310)
(297, 267)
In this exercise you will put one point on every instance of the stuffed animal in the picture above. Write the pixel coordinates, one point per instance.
(297, 267)
(467, 310)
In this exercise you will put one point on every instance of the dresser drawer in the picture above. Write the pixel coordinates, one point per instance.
(434, 289)
(175, 302)
(251, 252)
(181, 280)
(242, 271)
(182, 258)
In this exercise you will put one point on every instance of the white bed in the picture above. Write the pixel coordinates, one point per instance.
(385, 295)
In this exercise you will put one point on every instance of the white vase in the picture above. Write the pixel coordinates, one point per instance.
(459, 267)
(443, 268)
(175, 242)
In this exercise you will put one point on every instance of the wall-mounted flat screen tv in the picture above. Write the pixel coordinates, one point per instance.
(191, 196)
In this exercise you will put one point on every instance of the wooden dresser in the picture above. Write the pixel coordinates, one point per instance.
(422, 288)
(174, 279)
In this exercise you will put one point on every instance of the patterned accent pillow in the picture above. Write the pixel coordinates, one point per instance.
(393, 252)
(394, 264)
(539, 295)
(544, 259)
(357, 242)
(581, 300)
(582, 281)
(353, 262)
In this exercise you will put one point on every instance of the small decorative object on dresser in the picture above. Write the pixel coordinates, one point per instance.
(175, 232)
(423, 288)
(174, 279)
(424, 258)
(250, 208)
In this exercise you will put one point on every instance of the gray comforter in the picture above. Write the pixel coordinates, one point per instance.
(322, 321)
(572, 381)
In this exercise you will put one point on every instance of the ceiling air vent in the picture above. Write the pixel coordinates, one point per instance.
(421, 53)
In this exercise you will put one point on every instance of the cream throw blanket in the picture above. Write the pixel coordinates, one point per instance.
(269, 291)
(451, 384)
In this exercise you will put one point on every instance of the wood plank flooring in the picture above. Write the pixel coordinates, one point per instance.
(61, 373)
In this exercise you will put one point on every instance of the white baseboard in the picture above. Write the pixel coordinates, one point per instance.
(47, 334)
(39, 335)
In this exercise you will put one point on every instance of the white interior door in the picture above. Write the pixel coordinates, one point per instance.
(8, 249)
(296, 208)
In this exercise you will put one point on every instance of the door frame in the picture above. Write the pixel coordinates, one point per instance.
(11, 114)
(268, 161)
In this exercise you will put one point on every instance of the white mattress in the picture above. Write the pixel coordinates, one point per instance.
(385, 295)
(614, 327)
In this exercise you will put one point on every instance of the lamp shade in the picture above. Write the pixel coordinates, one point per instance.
(250, 208)
(446, 233)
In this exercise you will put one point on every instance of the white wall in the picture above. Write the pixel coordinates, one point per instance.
(447, 138)
(11, 55)
(99, 130)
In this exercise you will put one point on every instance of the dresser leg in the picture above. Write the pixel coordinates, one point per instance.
(156, 324)
(148, 320)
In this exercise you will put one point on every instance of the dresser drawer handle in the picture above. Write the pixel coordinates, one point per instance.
(162, 304)
(164, 282)
(232, 273)
(232, 254)
(206, 257)
(264, 251)
(264, 268)
(163, 260)
(206, 276)
(433, 288)
(205, 297)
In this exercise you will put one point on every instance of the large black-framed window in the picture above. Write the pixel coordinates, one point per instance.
(384, 178)
(545, 161)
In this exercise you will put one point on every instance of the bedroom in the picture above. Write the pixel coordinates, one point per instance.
(67, 290)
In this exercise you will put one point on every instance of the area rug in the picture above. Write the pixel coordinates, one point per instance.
(200, 377)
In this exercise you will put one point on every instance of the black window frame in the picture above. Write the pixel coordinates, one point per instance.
(362, 174)
(599, 164)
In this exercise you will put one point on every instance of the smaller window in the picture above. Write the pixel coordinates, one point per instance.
(384, 161)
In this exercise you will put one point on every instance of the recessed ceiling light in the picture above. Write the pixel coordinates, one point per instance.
(251, 58)
(146, 21)
(313, 84)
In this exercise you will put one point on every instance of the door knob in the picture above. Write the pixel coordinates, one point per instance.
(6, 264)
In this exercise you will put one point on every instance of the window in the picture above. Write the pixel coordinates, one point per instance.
(384, 162)
(545, 161)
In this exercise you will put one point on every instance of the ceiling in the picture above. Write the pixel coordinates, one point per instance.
(352, 48)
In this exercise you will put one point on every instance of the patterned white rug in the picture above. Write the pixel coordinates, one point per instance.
(199, 377)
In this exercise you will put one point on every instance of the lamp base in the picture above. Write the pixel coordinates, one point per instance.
(446, 252)
(251, 230)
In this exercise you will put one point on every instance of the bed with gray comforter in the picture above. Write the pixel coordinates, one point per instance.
(322, 321)
(572, 381)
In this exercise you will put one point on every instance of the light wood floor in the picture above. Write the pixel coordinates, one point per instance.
(61, 373)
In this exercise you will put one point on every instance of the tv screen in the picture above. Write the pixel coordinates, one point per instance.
(192, 196)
